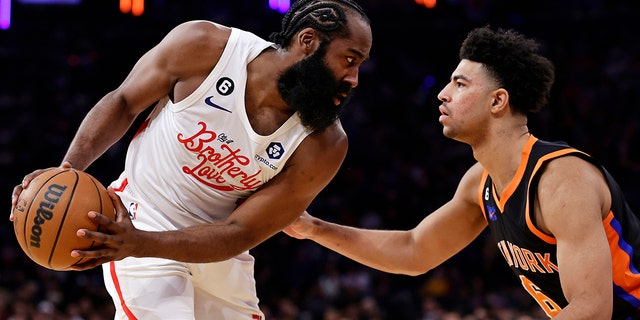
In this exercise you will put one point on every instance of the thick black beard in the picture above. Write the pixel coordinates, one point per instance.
(309, 87)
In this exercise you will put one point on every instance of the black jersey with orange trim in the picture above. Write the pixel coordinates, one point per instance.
(531, 254)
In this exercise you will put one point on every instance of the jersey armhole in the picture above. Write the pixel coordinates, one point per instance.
(481, 188)
(532, 186)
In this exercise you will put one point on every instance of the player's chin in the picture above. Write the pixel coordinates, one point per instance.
(448, 132)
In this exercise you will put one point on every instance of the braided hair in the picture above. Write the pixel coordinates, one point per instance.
(326, 16)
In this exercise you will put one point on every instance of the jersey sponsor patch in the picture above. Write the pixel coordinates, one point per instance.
(275, 150)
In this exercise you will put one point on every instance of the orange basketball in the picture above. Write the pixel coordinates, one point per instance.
(50, 211)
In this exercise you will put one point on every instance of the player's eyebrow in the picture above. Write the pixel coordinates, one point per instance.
(458, 77)
(358, 53)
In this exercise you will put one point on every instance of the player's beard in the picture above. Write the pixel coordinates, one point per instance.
(309, 88)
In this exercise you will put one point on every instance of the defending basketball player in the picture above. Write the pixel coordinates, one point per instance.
(559, 219)
(244, 134)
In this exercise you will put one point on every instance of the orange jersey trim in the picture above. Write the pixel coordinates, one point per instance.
(513, 184)
(483, 180)
(623, 275)
(545, 237)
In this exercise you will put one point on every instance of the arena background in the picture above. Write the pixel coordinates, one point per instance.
(56, 61)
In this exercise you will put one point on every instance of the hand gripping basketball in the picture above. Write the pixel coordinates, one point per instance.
(49, 211)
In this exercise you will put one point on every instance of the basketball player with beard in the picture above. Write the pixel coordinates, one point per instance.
(243, 134)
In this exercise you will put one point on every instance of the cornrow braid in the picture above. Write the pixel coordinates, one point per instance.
(326, 16)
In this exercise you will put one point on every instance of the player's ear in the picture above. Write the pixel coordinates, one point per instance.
(500, 100)
(306, 40)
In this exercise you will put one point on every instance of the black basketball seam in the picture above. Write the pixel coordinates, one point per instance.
(26, 217)
(95, 184)
(64, 216)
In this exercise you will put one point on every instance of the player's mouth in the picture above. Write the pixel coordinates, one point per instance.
(443, 113)
(337, 100)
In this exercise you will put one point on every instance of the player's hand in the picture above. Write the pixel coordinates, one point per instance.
(301, 228)
(17, 190)
(117, 240)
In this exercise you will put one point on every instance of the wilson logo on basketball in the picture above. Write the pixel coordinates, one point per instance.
(45, 212)
(52, 209)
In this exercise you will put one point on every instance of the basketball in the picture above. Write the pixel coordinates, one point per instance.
(50, 211)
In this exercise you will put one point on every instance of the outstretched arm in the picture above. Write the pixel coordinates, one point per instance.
(437, 237)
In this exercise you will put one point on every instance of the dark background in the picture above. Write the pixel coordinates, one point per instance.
(56, 61)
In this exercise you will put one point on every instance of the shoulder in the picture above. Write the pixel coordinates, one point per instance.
(324, 150)
(473, 176)
(571, 175)
(199, 28)
(192, 48)
(198, 34)
(466, 199)
(316, 161)
(570, 169)
(333, 135)
(329, 142)
(469, 185)
(568, 182)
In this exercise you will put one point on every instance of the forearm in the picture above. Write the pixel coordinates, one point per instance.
(377, 249)
(195, 244)
(573, 312)
(104, 125)
(385, 250)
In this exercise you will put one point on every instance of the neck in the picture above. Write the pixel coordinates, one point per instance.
(262, 76)
(501, 154)
(263, 103)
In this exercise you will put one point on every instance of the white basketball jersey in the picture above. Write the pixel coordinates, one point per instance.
(191, 161)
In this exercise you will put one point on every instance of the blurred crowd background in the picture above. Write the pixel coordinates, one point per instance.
(56, 61)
